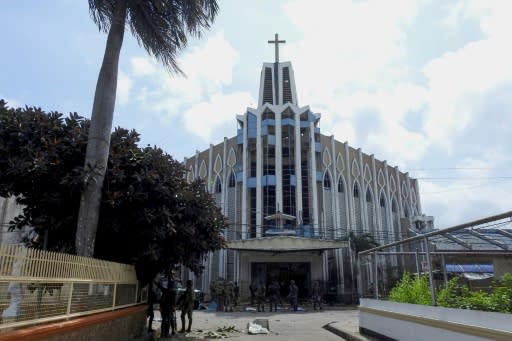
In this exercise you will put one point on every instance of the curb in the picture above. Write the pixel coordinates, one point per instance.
(343, 334)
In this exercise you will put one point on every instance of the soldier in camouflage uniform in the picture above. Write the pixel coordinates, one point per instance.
(186, 303)
(260, 297)
(273, 295)
(229, 296)
(293, 295)
(219, 294)
(316, 296)
(168, 308)
(236, 294)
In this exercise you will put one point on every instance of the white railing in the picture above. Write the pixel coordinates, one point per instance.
(39, 286)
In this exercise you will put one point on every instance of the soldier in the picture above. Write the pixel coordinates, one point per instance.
(252, 289)
(293, 295)
(168, 308)
(316, 296)
(236, 294)
(151, 301)
(260, 297)
(186, 302)
(219, 294)
(228, 298)
(212, 291)
(273, 295)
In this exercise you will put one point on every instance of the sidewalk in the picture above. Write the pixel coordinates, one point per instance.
(332, 323)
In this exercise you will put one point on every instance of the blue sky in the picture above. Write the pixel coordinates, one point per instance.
(425, 84)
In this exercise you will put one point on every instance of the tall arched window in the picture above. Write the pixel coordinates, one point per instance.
(396, 221)
(218, 185)
(342, 207)
(232, 181)
(328, 213)
(357, 209)
(386, 231)
(370, 212)
(327, 180)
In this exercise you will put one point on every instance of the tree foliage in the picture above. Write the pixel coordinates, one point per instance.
(150, 215)
(361, 242)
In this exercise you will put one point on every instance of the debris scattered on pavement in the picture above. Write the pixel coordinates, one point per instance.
(254, 328)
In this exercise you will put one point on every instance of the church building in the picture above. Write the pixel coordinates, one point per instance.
(292, 195)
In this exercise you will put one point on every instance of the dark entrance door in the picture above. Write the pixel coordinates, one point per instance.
(283, 273)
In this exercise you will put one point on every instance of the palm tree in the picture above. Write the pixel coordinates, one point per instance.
(161, 27)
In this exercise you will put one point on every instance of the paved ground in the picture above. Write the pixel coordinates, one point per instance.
(332, 323)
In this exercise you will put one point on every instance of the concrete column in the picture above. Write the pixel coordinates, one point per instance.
(298, 170)
(314, 185)
(259, 173)
(244, 180)
(209, 180)
(362, 196)
(334, 191)
(279, 162)
(376, 215)
(349, 190)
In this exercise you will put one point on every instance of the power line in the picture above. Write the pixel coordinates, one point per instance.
(466, 178)
(452, 168)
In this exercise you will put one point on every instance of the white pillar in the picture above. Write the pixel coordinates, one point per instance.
(314, 186)
(298, 170)
(259, 171)
(244, 180)
(279, 162)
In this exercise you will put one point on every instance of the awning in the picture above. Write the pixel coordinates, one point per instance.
(286, 243)
(279, 216)
(470, 268)
(477, 276)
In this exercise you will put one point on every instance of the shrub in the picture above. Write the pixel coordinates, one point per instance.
(412, 290)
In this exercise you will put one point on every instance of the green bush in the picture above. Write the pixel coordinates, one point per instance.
(416, 290)
(447, 296)
(412, 290)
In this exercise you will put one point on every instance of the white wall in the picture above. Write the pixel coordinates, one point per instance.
(401, 329)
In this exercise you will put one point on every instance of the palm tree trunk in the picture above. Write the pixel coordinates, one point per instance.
(99, 136)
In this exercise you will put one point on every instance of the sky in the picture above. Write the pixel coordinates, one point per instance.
(423, 84)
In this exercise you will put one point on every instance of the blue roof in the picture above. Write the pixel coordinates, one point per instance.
(477, 268)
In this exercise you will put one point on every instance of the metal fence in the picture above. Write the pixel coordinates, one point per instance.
(477, 253)
(39, 286)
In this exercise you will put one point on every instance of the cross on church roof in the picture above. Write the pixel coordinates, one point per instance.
(277, 42)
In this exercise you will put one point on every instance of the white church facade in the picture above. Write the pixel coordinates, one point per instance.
(293, 195)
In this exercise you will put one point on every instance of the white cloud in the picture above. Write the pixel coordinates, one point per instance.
(124, 85)
(473, 192)
(205, 119)
(208, 68)
(11, 103)
(142, 66)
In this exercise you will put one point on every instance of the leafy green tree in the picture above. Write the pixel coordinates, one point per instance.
(361, 242)
(150, 217)
(161, 27)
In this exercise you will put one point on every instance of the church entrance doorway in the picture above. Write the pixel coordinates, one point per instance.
(283, 273)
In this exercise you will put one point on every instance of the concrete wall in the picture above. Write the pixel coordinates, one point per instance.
(401, 321)
(119, 325)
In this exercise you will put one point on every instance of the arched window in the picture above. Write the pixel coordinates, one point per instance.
(340, 186)
(394, 207)
(382, 201)
(356, 191)
(232, 181)
(368, 196)
(327, 180)
(218, 186)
